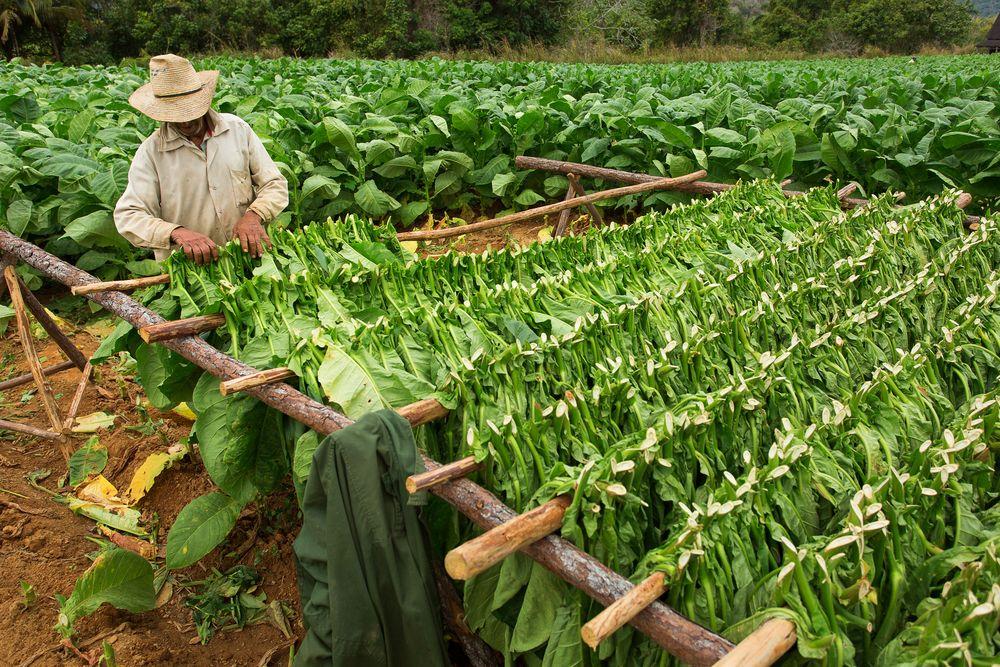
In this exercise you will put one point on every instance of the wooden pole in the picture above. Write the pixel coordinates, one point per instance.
(763, 647)
(421, 412)
(24, 331)
(564, 216)
(656, 184)
(480, 554)
(676, 634)
(120, 285)
(189, 326)
(74, 406)
(30, 430)
(445, 473)
(28, 377)
(255, 380)
(574, 182)
(623, 610)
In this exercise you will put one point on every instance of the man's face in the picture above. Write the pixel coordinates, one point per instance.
(191, 128)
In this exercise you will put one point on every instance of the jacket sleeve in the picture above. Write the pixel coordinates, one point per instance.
(137, 214)
(270, 186)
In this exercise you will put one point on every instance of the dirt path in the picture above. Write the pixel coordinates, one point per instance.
(46, 546)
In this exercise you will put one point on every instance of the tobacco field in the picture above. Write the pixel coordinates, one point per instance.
(401, 140)
(788, 409)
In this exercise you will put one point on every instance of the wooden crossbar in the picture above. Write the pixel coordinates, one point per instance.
(481, 553)
(121, 285)
(257, 379)
(623, 610)
(189, 326)
(763, 647)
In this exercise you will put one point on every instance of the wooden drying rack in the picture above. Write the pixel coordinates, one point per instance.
(532, 533)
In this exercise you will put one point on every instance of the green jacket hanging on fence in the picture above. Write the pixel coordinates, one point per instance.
(365, 577)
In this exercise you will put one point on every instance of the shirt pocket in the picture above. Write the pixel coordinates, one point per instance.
(242, 187)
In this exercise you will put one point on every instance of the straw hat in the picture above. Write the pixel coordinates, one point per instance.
(176, 93)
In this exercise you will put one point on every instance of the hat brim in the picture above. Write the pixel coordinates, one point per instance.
(177, 109)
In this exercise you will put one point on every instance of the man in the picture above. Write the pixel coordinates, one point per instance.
(203, 177)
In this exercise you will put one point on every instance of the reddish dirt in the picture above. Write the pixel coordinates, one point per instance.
(46, 545)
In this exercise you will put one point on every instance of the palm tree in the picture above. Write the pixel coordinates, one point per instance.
(12, 14)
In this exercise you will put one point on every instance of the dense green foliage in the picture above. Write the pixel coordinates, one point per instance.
(399, 139)
(788, 409)
(101, 31)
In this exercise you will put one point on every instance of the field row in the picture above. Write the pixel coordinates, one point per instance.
(400, 139)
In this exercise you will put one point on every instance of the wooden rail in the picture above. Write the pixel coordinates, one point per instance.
(676, 634)
(120, 285)
(647, 186)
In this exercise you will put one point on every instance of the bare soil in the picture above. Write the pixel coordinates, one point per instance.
(45, 545)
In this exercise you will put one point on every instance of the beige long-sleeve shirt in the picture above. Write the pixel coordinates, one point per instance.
(173, 183)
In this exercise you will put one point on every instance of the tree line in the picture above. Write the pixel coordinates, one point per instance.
(101, 31)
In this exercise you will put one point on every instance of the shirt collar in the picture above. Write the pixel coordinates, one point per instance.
(170, 138)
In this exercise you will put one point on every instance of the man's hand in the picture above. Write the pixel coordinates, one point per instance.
(197, 247)
(251, 234)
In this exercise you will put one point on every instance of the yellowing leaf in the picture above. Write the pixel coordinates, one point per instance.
(544, 234)
(100, 491)
(145, 475)
(410, 246)
(183, 410)
(93, 422)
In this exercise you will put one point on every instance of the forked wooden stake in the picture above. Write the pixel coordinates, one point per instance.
(564, 215)
(595, 214)
(847, 190)
(120, 285)
(255, 380)
(190, 326)
(479, 554)
(445, 473)
(763, 646)
(24, 332)
(74, 406)
(623, 610)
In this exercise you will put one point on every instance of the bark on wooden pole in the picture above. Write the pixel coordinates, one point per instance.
(120, 285)
(267, 376)
(189, 326)
(30, 430)
(623, 610)
(448, 471)
(763, 647)
(481, 553)
(648, 186)
(676, 634)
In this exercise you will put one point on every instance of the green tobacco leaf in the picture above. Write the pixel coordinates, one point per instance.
(89, 459)
(118, 577)
(166, 376)
(320, 185)
(305, 447)
(340, 136)
(19, 215)
(95, 229)
(200, 527)
(538, 611)
(565, 648)
(373, 201)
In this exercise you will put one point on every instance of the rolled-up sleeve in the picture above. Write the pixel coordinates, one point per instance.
(137, 214)
(270, 186)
